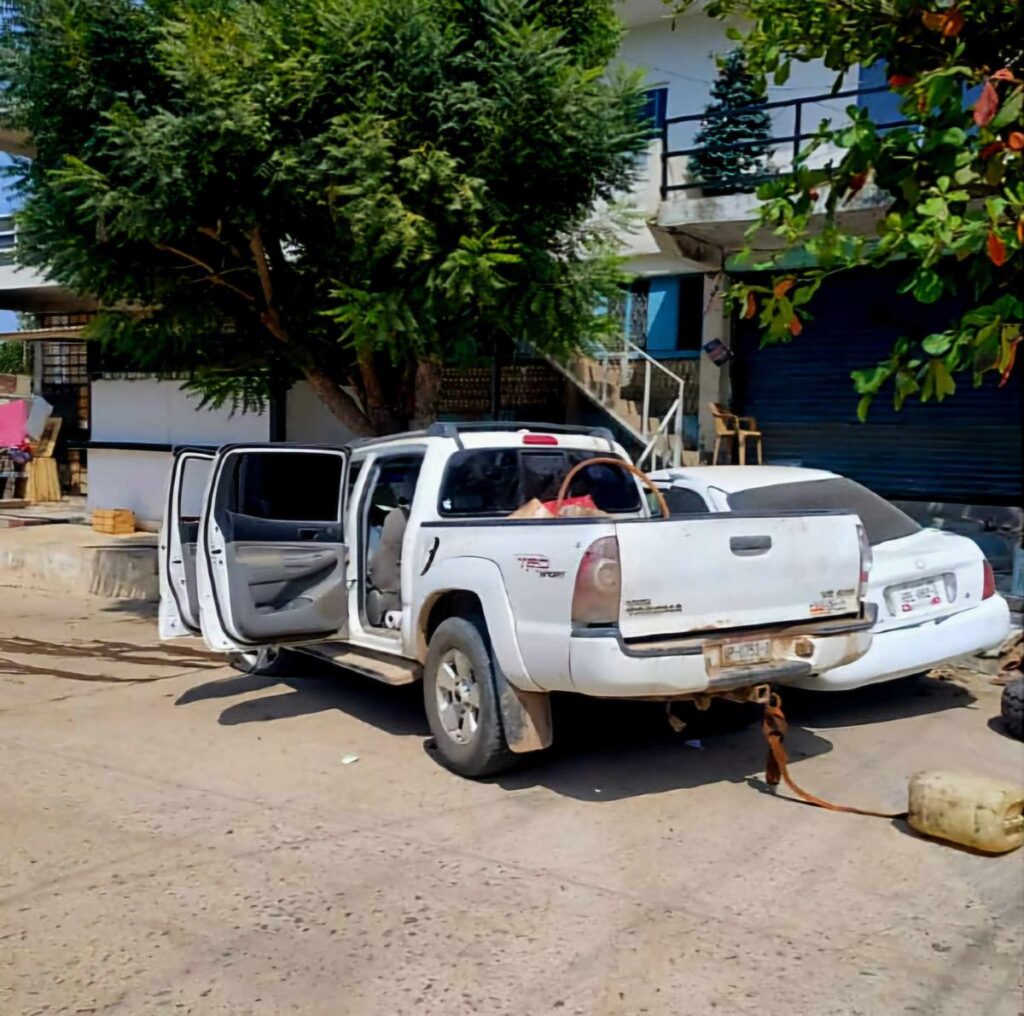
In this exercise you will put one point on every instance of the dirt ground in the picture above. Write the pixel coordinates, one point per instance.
(178, 838)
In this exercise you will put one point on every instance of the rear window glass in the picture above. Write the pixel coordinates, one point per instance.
(681, 501)
(497, 481)
(288, 486)
(882, 520)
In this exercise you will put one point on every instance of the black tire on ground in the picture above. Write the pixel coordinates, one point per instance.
(270, 662)
(1012, 707)
(482, 750)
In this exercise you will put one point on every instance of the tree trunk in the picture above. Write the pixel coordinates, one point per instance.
(339, 402)
(428, 390)
(382, 416)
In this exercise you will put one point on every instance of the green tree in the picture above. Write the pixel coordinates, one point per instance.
(950, 184)
(347, 190)
(734, 133)
(12, 358)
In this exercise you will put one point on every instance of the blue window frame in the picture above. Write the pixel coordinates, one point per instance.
(655, 107)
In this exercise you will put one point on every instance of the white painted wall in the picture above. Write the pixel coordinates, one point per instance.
(150, 411)
(308, 419)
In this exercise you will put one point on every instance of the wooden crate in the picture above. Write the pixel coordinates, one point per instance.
(113, 521)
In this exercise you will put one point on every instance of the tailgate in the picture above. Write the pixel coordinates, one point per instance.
(731, 571)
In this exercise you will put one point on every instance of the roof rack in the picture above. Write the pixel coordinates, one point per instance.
(452, 430)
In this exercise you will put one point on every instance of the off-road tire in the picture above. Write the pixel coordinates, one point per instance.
(487, 752)
(1012, 707)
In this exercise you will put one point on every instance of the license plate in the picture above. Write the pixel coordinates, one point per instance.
(737, 654)
(913, 596)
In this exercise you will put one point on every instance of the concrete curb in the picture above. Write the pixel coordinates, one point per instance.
(74, 560)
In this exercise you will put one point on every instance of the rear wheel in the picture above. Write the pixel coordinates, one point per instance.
(1012, 707)
(461, 701)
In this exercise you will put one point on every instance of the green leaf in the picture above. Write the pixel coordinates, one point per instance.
(863, 405)
(1009, 113)
(928, 286)
(937, 344)
(781, 75)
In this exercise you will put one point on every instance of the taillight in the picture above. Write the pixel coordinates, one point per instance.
(595, 597)
(867, 558)
(988, 585)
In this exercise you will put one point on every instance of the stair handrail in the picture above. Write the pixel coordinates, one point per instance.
(668, 417)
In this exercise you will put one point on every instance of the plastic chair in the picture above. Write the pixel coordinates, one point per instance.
(742, 428)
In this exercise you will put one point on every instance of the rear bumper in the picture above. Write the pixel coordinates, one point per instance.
(909, 651)
(602, 664)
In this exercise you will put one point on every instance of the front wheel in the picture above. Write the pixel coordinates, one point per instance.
(461, 701)
(267, 661)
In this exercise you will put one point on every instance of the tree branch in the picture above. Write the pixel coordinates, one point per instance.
(212, 274)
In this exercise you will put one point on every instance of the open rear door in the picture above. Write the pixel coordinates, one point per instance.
(179, 536)
(272, 553)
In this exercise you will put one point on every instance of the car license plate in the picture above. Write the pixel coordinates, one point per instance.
(914, 596)
(738, 654)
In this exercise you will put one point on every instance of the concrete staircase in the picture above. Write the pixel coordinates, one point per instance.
(642, 395)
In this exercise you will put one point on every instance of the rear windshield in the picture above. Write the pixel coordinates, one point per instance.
(496, 481)
(882, 521)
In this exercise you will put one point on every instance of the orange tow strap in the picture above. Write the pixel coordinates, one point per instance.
(774, 727)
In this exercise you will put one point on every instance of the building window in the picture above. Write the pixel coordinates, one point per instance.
(691, 313)
(638, 306)
(655, 107)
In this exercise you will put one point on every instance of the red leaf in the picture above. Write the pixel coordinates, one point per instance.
(795, 326)
(1005, 376)
(1020, 229)
(1003, 75)
(991, 148)
(783, 286)
(900, 81)
(751, 306)
(857, 182)
(933, 20)
(987, 105)
(813, 194)
(996, 250)
(1016, 140)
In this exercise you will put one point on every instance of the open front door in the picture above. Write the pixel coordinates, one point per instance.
(179, 535)
(272, 553)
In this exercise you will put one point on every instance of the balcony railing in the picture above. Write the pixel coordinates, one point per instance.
(8, 239)
(790, 118)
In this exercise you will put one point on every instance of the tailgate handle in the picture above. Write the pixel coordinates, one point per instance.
(748, 546)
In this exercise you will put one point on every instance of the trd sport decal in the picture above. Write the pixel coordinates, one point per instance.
(538, 564)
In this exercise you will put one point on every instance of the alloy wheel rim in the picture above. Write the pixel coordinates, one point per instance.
(457, 693)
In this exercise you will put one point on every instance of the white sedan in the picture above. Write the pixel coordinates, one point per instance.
(934, 590)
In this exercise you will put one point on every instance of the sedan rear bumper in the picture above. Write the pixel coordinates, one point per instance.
(907, 651)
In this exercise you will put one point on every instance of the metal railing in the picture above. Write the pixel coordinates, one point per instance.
(8, 239)
(605, 375)
(794, 139)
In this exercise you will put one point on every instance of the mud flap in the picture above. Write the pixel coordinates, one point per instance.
(525, 715)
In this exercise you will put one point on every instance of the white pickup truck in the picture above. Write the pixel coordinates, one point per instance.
(396, 557)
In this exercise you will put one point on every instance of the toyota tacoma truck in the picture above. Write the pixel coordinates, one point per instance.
(397, 558)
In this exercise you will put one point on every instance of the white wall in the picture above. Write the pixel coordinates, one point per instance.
(150, 411)
(308, 419)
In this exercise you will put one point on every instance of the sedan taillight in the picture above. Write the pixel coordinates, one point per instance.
(595, 597)
(988, 585)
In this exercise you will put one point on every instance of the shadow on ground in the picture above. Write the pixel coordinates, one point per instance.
(605, 750)
(102, 651)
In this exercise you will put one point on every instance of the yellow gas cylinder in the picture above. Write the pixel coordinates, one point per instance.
(974, 811)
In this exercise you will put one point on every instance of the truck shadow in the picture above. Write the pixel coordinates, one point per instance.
(313, 686)
(606, 750)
